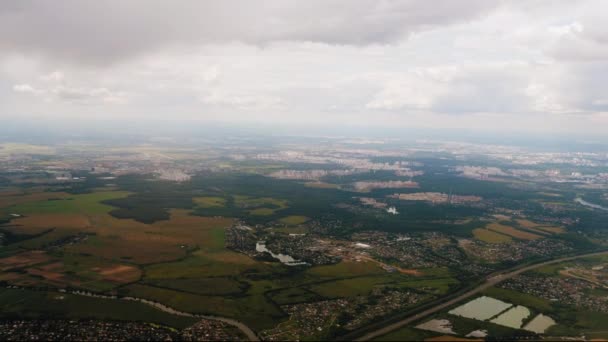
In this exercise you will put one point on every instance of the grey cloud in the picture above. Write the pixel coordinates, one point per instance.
(101, 32)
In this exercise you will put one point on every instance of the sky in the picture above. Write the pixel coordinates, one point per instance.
(529, 67)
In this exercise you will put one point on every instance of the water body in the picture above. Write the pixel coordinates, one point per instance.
(540, 324)
(284, 258)
(589, 204)
(513, 318)
(481, 308)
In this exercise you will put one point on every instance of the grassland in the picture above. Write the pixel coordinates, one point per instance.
(210, 202)
(519, 298)
(203, 286)
(74, 204)
(322, 185)
(490, 236)
(436, 286)
(180, 259)
(516, 233)
(260, 206)
(293, 295)
(39, 304)
(406, 334)
(351, 287)
(527, 224)
(294, 220)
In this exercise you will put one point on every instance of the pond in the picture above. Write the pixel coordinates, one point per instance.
(481, 308)
(540, 324)
(513, 318)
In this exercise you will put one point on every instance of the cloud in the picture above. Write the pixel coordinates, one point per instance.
(533, 64)
(102, 32)
(24, 88)
(75, 94)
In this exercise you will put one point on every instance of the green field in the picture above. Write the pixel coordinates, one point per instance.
(433, 286)
(539, 304)
(210, 202)
(75, 204)
(203, 286)
(351, 287)
(406, 334)
(38, 304)
(293, 295)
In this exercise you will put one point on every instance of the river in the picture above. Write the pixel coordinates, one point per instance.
(239, 325)
(589, 204)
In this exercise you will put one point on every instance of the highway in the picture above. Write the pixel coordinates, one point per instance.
(491, 281)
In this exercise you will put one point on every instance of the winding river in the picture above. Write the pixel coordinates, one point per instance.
(239, 325)
(589, 204)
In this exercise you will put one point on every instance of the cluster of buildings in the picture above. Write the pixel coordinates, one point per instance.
(564, 290)
(66, 330)
(515, 251)
(90, 330)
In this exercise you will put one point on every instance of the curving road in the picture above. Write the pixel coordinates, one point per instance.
(491, 281)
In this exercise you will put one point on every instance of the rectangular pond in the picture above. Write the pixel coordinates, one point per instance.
(513, 318)
(540, 324)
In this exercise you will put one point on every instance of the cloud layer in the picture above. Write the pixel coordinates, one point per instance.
(445, 64)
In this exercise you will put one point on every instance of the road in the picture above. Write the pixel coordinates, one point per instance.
(491, 281)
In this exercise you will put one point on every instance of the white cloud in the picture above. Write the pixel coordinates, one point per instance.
(24, 88)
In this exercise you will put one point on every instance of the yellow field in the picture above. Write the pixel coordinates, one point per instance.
(127, 239)
(552, 229)
(321, 185)
(37, 223)
(526, 223)
(537, 226)
(519, 234)
(294, 220)
(15, 198)
(161, 241)
(261, 212)
(490, 236)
